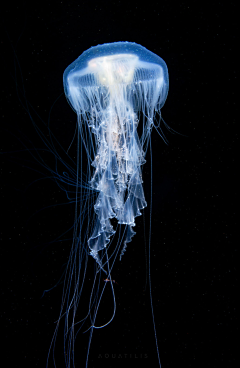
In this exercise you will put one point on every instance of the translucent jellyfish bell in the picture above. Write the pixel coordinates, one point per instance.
(120, 63)
(109, 87)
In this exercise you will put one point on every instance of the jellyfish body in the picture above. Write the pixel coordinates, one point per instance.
(109, 87)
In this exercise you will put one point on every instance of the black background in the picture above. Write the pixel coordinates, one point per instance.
(194, 238)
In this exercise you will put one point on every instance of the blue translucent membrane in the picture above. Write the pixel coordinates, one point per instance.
(109, 86)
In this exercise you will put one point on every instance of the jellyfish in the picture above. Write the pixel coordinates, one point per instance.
(117, 91)
(108, 86)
